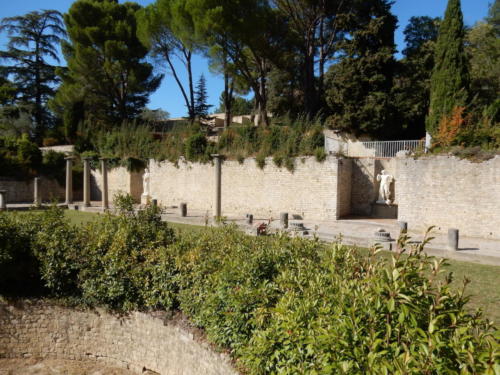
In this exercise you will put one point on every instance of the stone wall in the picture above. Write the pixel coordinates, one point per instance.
(19, 191)
(119, 181)
(138, 341)
(312, 190)
(450, 193)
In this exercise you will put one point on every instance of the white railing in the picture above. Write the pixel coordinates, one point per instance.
(385, 149)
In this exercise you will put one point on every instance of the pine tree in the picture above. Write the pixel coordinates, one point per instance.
(450, 76)
(358, 88)
(107, 80)
(32, 38)
(200, 102)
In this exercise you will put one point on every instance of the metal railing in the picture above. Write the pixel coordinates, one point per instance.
(389, 149)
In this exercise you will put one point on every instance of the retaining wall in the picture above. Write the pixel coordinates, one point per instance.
(137, 342)
(450, 193)
(119, 181)
(19, 191)
(313, 190)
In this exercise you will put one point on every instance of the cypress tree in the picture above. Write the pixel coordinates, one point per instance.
(450, 76)
(200, 102)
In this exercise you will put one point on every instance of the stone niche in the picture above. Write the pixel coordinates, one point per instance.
(137, 342)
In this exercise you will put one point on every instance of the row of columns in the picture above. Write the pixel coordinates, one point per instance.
(86, 182)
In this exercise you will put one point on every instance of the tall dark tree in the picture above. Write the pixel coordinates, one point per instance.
(107, 80)
(359, 86)
(450, 77)
(412, 79)
(32, 41)
(240, 35)
(418, 32)
(314, 28)
(201, 106)
(166, 27)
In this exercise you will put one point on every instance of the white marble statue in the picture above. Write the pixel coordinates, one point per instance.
(384, 191)
(145, 182)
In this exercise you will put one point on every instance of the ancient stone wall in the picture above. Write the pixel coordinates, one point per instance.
(19, 191)
(119, 181)
(310, 191)
(137, 342)
(450, 193)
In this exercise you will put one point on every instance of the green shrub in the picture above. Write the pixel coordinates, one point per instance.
(19, 269)
(320, 154)
(278, 160)
(260, 159)
(118, 258)
(28, 153)
(56, 245)
(195, 147)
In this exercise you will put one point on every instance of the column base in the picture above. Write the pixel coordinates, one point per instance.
(145, 199)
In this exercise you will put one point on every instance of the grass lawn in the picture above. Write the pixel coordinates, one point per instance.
(484, 288)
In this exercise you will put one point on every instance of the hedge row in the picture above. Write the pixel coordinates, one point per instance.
(280, 305)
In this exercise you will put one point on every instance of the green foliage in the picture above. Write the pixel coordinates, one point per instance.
(358, 88)
(125, 261)
(278, 304)
(107, 80)
(19, 272)
(33, 38)
(196, 146)
(450, 77)
(201, 106)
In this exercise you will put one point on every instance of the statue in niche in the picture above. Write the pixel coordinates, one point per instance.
(145, 182)
(384, 191)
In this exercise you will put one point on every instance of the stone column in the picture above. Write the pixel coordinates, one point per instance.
(3, 200)
(104, 171)
(37, 199)
(86, 182)
(218, 190)
(69, 180)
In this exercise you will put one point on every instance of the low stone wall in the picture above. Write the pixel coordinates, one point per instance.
(23, 191)
(313, 190)
(450, 193)
(137, 342)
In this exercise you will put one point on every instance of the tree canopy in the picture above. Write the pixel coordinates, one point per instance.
(107, 80)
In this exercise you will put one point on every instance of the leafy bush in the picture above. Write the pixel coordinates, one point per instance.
(196, 146)
(118, 258)
(279, 304)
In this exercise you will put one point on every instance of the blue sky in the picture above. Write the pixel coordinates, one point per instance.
(168, 96)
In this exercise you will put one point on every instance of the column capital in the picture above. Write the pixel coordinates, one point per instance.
(3, 191)
(69, 157)
(216, 155)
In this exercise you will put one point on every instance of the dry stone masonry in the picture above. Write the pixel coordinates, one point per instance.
(138, 342)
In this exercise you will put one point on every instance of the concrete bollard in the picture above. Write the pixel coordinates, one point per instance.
(37, 199)
(284, 220)
(3, 200)
(453, 239)
(249, 219)
(183, 207)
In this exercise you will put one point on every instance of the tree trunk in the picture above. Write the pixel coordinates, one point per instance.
(191, 109)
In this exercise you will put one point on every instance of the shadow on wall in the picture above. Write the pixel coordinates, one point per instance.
(95, 189)
(363, 187)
